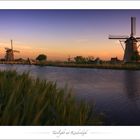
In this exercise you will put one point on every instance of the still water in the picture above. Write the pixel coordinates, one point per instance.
(116, 93)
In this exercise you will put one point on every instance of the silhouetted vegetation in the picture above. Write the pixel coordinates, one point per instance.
(28, 101)
(80, 59)
(41, 57)
(86, 60)
(135, 56)
(103, 65)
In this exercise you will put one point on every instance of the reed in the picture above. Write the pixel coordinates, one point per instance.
(28, 101)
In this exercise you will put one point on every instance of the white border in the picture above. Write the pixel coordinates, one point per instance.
(91, 132)
(70, 4)
(69, 132)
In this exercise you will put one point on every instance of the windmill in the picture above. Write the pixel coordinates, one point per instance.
(10, 53)
(70, 58)
(131, 43)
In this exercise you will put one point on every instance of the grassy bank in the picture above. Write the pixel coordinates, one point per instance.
(129, 66)
(24, 101)
(118, 66)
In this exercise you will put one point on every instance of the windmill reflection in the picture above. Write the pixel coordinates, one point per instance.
(131, 84)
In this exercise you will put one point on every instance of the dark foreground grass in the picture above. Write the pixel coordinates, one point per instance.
(27, 101)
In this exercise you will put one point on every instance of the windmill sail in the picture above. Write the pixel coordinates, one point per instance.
(131, 49)
(12, 44)
(118, 37)
(133, 26)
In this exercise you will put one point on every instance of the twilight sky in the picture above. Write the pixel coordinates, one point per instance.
(60, 33)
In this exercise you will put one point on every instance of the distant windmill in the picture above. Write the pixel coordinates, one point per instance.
(131, 47)
(69, 58)
(10, 53)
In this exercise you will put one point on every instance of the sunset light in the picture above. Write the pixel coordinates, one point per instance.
(59, 33)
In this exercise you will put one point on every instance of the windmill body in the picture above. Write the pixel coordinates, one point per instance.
(131, 47)
(9, 56)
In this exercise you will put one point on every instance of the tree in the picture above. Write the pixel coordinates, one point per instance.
(41, 57)
(90, 59)
(135, 56)
(80, 59)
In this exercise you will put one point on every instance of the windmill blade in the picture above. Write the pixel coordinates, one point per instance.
(133, 26)
(138, 38)
(7, 48)
(122, 45)
(16, 51)
(118, 37)
(12, 44)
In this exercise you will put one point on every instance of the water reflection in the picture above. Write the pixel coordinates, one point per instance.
(115, 92)
(131, 81)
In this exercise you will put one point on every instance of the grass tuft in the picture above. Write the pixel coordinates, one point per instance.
(27, 101)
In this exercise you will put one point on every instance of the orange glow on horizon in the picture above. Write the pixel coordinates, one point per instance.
(61, 50)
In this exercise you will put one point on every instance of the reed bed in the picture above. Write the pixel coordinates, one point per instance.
(28, 101)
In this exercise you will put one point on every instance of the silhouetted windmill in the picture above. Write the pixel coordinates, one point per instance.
(131, 48)
(69, 58)
(9, 56)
